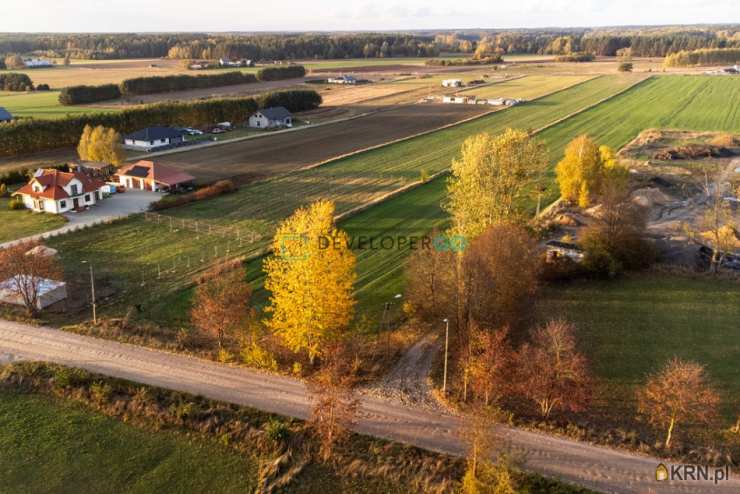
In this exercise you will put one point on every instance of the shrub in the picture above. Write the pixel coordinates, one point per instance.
(70, 377)
(276, 430)
(15, 82)
(16, 203)
(77, 95)
(13, 177)
(220, 187)
(575, 57)
(43, 87)
(3, 190)
(152, 85)
(625, 67)
(255, 356)
(279, 73)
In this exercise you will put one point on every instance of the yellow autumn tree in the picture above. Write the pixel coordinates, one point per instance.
(586, 169)
(100, 144)
(490, 178)
(310, 278)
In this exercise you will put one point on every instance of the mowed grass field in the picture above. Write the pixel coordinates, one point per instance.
(50, 446)
(527, 87)
(631, 326)
(42, 105)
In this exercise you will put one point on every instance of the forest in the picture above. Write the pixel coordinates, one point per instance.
(636, 41)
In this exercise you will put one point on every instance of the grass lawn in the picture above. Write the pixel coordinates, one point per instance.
(631, 326)
(22, 223)
(43, 105)
(51, 446)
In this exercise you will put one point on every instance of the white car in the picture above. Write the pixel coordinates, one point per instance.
(193, 132)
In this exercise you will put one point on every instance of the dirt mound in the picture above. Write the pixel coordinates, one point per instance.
(692, 151)
(650, 196)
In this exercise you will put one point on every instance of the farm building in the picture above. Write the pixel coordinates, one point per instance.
(54, 191)
(452, 83)
(5, 115)
(277, 116)
(153, 138)
(147, 175)
(48, 291)
(459, 100)
(37, 63)
(345, 79)
(225, 62)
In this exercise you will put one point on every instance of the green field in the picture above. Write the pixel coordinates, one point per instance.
(132, 251)
(49, 446)
(630, 327)
(526, 87)
(22, 223)
(42, 104)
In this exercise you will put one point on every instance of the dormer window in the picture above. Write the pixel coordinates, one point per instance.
(37, 188)
(75, 189)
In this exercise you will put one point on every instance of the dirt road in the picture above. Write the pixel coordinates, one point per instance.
(591, 466)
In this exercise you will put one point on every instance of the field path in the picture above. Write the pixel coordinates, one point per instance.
(588, 465)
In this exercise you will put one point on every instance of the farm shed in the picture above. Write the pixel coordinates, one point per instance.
(153, 138)
(277, 116)
(452, 83)
(147, 175)
(5, 115)
(49, 291)
(345, 79)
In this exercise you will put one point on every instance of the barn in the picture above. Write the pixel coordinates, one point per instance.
(154, 138)
(147, 175)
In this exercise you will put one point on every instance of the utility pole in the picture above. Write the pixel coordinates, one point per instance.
(92, 293)
(447, 345)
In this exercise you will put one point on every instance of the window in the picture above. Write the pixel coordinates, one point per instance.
(62, 204)
(74, 189)
(88, 197)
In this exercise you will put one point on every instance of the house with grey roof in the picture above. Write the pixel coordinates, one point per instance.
(270, 118)
(5, 115)
(153, 138)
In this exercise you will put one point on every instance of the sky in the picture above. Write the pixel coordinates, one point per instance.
(338, 15)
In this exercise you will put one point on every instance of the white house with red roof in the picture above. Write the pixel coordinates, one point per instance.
(55, 191)
(147, 175)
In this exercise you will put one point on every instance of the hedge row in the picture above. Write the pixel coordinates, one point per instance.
(151, 85)
(15, 82)
(709, 56)
(78, 95)
(28, 136)
(279, 73)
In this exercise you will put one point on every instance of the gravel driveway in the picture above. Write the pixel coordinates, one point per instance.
(592, 466)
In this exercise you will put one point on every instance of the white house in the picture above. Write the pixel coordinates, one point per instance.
(452, 83)
(459, 100)
(54, 191)
(153, 138)
(269, 118)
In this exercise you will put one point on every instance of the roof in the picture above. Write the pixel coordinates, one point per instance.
(53, 182)
(275, 113)
(563, 245)
(162, 174)
(155, 133)
(5, 114)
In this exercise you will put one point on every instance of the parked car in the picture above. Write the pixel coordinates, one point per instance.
(218, 130)
(225, 125)
(193, 132)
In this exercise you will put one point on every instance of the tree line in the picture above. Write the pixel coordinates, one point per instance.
(716, 56)
(27, 136)
(75, 95)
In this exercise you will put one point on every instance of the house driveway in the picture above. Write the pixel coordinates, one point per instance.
(116, 206)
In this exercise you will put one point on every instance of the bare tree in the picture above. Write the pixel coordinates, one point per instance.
(552, 372)
(335, 404)
(677, 393)
(430, 282)
(221, 306)
(26, 269)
